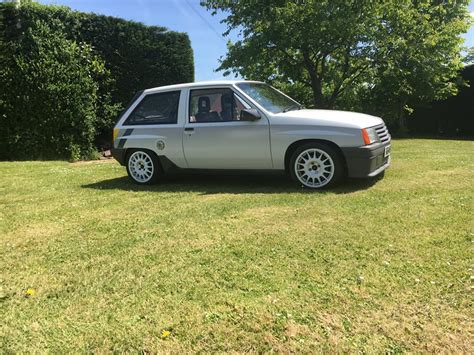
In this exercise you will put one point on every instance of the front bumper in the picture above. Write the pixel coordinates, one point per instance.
(366, 161)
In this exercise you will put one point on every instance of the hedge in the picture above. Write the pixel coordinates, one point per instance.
(452, 117)
(65, 75)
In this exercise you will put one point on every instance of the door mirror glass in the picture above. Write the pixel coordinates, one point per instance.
(249, 114)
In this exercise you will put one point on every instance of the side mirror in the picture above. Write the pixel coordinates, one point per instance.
(249, 114)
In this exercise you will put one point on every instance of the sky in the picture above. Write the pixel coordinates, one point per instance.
(204, 30)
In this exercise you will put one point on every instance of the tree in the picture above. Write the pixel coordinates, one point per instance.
(469, 56)
(422, 43)
(341, 50)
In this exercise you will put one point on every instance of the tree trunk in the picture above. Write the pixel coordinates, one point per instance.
(318, 98)
(315, 79)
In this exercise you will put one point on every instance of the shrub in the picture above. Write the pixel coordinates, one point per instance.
(66, 74)
(50, 95)
(138, 56)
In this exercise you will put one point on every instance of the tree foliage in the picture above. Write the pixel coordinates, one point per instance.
(347, 53)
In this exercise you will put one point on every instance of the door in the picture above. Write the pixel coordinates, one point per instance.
(214, 137)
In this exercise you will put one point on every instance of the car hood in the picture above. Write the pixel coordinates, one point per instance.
(326, 118)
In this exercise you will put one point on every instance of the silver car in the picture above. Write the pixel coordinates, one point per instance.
(245, 125)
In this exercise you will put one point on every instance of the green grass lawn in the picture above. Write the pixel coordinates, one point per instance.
(239, 263)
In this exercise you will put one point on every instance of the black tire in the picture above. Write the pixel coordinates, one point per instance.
(138, 164)
(324, 172)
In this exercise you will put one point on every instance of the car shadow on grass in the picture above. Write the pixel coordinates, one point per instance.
(237, 183)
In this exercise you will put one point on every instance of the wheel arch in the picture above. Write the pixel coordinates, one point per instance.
(293, 146)
(129, 151)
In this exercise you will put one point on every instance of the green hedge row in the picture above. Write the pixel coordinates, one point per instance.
(65, 75)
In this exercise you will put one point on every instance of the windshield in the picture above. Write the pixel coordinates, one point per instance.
(269, 98)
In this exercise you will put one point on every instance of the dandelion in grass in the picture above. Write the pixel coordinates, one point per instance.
(30, 292)
(165, 334)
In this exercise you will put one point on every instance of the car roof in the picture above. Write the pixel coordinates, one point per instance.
(198, 84)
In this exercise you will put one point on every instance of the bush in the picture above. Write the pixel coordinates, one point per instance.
(66, 74)
(50, 96)
(137, 56)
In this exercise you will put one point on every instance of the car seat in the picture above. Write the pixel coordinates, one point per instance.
(204, 113)
(228, 112)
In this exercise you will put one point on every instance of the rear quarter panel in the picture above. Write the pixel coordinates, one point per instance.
(151, 136)
(148, 137)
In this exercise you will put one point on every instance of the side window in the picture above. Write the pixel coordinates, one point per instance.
(161, 108)
(214, 105)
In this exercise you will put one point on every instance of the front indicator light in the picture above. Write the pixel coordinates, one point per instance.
(365, 136)
(116, 132)
(369, 135)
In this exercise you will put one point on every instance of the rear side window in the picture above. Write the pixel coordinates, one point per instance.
(161, 108)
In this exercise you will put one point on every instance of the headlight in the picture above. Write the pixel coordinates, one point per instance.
(369, 135)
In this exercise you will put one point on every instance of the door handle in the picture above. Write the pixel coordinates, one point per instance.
(189, 130)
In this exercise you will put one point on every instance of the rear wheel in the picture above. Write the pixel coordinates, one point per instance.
(143, 166)
(316, 166)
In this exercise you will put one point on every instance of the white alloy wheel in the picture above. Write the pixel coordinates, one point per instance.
(314, 168)
(141, 167)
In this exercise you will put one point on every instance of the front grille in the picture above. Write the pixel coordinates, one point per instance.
(382, 133)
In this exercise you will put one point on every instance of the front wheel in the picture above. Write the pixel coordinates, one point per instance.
(143, 167)
(316, 166)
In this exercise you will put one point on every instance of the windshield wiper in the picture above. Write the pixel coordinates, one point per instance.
(293, 107)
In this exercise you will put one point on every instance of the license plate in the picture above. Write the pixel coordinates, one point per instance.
(387, 151)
